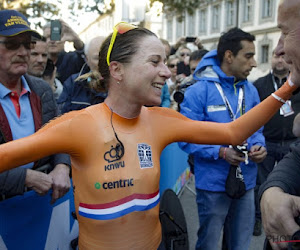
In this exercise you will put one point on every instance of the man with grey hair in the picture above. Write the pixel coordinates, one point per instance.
(280, 201)
(278, 131)
(26, 103)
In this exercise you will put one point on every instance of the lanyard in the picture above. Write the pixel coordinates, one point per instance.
(241, 102)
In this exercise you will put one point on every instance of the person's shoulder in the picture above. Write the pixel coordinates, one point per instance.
(251, 90)
(161, 111)
(200, 88)
(37, 84)
(71, 80)
(261, 81)
(295, 147)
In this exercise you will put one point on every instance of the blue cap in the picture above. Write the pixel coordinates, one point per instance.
(13, 23)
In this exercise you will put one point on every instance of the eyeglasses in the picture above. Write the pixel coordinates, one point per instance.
(185, 54)
(13, 45)
(172, 65)
(120, 28)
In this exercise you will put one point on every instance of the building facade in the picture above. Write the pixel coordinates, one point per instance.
(212, 17)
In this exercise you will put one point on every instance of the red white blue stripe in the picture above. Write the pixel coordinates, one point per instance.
(119, 208)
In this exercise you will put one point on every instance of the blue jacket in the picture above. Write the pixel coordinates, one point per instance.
(69, 63)
(165, 97)
(203, 101)
(77, 95)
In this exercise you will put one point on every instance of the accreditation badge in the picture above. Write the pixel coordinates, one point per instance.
(286, 109)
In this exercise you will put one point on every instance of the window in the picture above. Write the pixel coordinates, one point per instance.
(215, 18)
(267, 8)
(202, 21)
(170, 29)
(191, 21)
(264, 53)
(230, 14)
(179, 29)
(248, 10)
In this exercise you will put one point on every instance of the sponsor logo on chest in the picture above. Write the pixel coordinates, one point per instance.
(145, 155)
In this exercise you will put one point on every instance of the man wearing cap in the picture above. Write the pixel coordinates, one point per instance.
(26, 103)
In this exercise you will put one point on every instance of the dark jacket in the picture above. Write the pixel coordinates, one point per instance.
(279, 128)
(286, 174)
(44, 108)
(69, 63)
(77, 95)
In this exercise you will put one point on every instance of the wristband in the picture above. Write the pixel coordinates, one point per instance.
(278, 98)
(290, 81)
(224, 154)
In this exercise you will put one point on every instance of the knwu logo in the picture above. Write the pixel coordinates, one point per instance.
(116, 165)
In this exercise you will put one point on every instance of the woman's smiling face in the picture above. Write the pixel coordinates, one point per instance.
(147, 72)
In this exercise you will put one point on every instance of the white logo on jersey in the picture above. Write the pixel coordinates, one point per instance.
(145, 155)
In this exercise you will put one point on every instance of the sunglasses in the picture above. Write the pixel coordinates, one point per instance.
(185, 54)
(120, 28)
(13, 45)
(172, 65)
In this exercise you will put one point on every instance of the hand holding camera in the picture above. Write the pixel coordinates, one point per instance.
(232, 156)
(61, 31)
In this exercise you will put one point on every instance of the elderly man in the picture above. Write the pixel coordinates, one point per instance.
(26, 103)
(280, 202)
(278, 131)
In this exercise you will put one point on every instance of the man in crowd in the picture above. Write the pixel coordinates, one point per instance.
(78, 92)
(280, 201)
(26, 103)
(278, 131)
(222, 94)
(41, 66)
(66, 63)
(38, 58)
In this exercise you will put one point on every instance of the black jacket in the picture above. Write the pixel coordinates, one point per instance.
(279, 128)
(44, 109)
(286, 174)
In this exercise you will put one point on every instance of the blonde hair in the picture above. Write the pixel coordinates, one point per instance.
(95, 81)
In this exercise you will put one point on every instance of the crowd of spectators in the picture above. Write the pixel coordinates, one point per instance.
(39, 80)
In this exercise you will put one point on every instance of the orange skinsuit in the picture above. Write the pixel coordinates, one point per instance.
(117, 201)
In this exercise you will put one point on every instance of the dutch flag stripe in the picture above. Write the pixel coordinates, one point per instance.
(112, 210)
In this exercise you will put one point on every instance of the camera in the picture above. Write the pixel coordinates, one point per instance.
(190, 39)
(55, 27)
(241, 148)
(180, 90)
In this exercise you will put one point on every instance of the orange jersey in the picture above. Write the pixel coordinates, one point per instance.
(117, 201)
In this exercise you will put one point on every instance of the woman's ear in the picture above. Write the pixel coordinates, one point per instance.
(116, 70)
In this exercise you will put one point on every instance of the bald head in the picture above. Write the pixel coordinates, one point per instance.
(92, 52)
